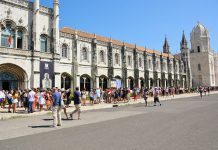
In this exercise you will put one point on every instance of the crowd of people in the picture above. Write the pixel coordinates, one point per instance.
(55, 99)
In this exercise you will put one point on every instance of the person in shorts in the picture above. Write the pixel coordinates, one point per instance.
(77, 103)
(91, 95)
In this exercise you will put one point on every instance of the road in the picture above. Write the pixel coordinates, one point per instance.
(182, 124)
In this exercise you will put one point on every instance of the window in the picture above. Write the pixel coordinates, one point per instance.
(101, 55)
(19, 39)
(64, 50)
(43, 42)
(116, 58)
(129, 60)
(140, 62)
(199, 67)
(84, 54)
(8, 36)
(199, 49)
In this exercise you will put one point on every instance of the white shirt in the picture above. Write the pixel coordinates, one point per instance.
(31, 96)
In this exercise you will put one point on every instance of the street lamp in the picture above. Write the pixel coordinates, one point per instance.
(64, 77)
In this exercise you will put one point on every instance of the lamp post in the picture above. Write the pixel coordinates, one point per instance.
(84, 78)
(64, 77)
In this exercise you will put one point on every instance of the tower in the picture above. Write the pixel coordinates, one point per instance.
(200, 39)
(202, 57)
(56, 27)
(36, 33)
(166, 47)
(185, 57)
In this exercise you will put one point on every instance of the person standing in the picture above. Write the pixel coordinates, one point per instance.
(15, 95)
(91, 95)
(201, 91)
(208, 90)
(31, 100)
(83, 93)
(56, 96)
(41, 99)
(77, 103)
(156, 96)
(145, 95)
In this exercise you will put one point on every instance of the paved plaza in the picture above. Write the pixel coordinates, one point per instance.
(5, 115)
(181, 124)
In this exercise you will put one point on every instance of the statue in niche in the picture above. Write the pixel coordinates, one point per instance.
(46, 82)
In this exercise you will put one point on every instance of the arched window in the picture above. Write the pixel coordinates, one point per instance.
(140, 62)
(101, 56)
(64, 50)
(117, 58)
(129, 60)
(43, 43)
(84, 54)
(8, 36)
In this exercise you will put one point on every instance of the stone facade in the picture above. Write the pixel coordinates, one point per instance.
(203, 58)
(32, 45)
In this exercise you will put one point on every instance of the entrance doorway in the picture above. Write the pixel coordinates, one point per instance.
(12, 77)
(6, 85)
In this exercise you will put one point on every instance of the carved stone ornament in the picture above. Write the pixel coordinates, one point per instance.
(8, 12)
(20, 20)
(44, 28)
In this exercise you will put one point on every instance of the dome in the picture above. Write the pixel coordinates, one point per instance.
(201, 30)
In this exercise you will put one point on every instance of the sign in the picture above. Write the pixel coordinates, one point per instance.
(47, 74)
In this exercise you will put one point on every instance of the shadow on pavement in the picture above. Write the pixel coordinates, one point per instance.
(41, 126)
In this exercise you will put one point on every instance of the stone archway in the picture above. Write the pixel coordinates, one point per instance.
(131, 83)
(66, 80)
(85, 82)
(103, 82)
(12, 77)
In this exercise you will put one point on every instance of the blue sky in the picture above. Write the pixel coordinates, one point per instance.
(141, 22)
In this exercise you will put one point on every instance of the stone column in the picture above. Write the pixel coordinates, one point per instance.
(15, 39)
(110, 63)
(57, 80)
(183, 83)
(149, 83)
(165, 83)
(78, 81)
(124, 69)
(97, 82)
(136, 70)
(0, 35)
(25, 42)
(139, 81)
(94, 70)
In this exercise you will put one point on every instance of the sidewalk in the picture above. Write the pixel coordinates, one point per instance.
(4, 115)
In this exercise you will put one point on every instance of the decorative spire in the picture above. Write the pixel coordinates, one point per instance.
(183, 43)
(166, 47)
